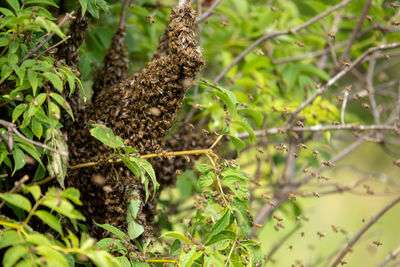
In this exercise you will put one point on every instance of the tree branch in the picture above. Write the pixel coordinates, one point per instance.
(209, 11)
(390, 257)
(363, 230)
(279, 33)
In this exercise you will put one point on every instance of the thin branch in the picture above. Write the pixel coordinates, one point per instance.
(321, 128)
(209, 11)
(148, 156)
(67, 17)
(182, 2)
(356, 31)
(390, 257)
(371, 90)
(346, 96)
(279, 33)
(123, 14)
(339, 76)
(14, 129)
(53, 46)
(363, 230)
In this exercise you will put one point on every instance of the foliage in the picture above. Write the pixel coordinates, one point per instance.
(208, 218)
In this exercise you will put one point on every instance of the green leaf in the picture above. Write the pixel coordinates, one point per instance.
(34, 190)
(133, 208)
(14, 4)
(244, 221)
(106, 136)
(18, 110)
(224, 235)
(237, 143)
(135, 230)
(52, 256)
(106, 242)
(17, 200)
(124, 261)
(203, 167)
(50, 220)
(13, 254)
(246, 126)
(83, 4)
(62, 206)
(175, 247)
(103, 259)
(150, 171)
(33, 81)
(255, 115)
(19, 159)
(113, 230)
(44, 2)
(176, 235)
(206, 179)
(62, 102)
(10, 238)
(221, 224)
(187, 259)
(37, 128)
(31, 150)
(55, 80)
(238, 186)
(72, 194)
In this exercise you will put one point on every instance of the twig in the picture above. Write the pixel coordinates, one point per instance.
(53, 46)
(346, 95)
(14, 129)
(356, 30)
(338, 76)
(182, 2)
(206, 151)
(320, 128)
(67, 17)
(279, 33)
(123, 14)
(209, 11)
(281, 242)
(363, 230)
(371, 90)
(390, 257)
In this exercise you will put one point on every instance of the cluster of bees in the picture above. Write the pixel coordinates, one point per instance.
(140, 109)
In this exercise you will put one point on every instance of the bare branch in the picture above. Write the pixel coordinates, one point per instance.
(123, 14)
(279, 33)
(209, 11)
(14, 129)
(339, 76)
(363, 230)
(53, 46)
(67, 17)
(320, 128)
(356, 31)
(346, 96)
(371, 90)
(390, 257)
(16, 187)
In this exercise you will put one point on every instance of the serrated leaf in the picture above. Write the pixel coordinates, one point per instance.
(52, 256)
(246, 126)
(62, 206)
(50, 220)
(124, 261)
(83, 4)
(17, 200)
(55, 80)
(31, 150)
(113, 230)
(72, 194)
(106, 136)
(106, 242)
(243, 220)
(238, 186)
(37, 128)
(44, 2)
(221, 224)
(203, 167)
(206, 179)
(13, 255)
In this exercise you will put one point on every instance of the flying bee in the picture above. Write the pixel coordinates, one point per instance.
(299, 43)
(150, 19)
(332, 35)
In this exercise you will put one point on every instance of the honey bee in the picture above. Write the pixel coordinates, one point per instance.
(332, 35)
(299, 43)
(150, 19)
